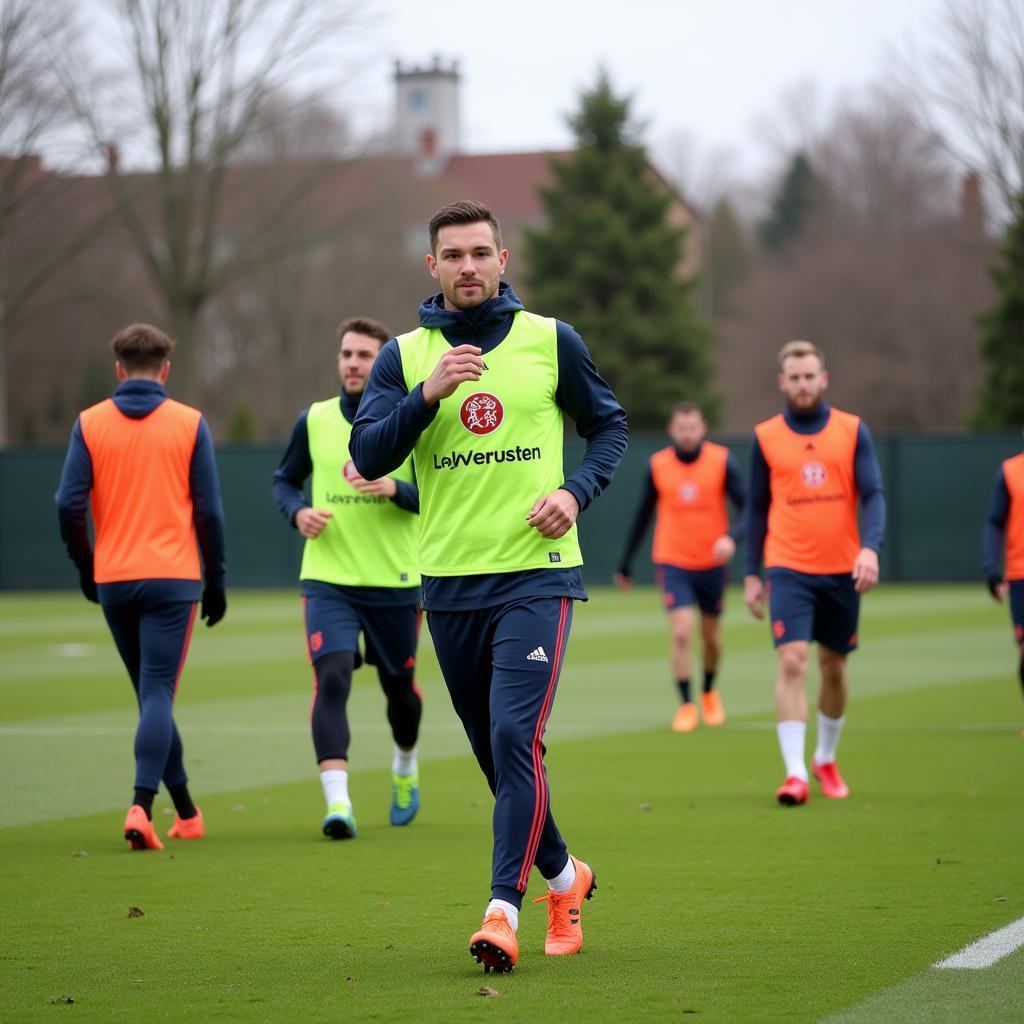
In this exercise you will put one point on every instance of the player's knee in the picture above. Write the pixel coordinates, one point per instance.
(793, 664)
(508, 735)
(334, 674)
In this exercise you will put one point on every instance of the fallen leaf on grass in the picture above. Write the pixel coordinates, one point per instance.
(350, 978)
(999, 899)
(643, 807)
(476, 803)
(136, 912)
(237, 808)
(79, 853)
(57, 1000)
(487, 992)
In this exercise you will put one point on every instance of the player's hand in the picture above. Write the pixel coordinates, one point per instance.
(753, 595)
(384, 487)
(998, 588)
(455, 367)
(723, 549)
(88, 584)
(215, 604)
(311, 521)
(623, 581)
(865, 570)
(554, 514)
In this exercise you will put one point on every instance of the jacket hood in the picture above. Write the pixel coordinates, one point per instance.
(138, 398)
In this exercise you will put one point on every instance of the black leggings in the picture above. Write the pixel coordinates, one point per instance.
(331, 734)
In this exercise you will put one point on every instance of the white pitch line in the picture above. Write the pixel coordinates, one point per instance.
(987, 950)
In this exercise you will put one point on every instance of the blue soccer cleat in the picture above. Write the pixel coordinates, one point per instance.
(340, 822)
(405, 798)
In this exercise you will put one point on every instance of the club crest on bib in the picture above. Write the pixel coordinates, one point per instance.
(813, 474)
(689, 492)
(350, 472)
(481, 413)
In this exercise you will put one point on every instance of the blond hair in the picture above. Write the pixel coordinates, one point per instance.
(799, 349)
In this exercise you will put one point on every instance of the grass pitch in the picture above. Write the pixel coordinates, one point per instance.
(714, 903)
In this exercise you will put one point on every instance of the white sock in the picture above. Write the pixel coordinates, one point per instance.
(335, 785)
(562, 882)
(510, 912)
(829, 731)
(791, 743)
(403, 762)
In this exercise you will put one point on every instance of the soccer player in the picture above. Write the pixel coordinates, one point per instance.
(1005, 525)
(145, 463)
(479, 394)
(687, 482)
(808, 466)
(358, 576)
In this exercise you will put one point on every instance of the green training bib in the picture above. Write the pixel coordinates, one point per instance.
(493, 449)
(370, 541)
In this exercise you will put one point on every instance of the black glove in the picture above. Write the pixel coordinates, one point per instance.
(993, 582)
(87, 583)
(215, 604)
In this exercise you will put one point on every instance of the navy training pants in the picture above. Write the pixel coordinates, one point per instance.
(152, 627)
(501, 666)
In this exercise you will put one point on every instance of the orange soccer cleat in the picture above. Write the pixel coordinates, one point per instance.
(565, 933)
(188, 828)
(686, 719)
(139, 831)
(832, 784)
(711, 709)
(495, 945)
(792, 792)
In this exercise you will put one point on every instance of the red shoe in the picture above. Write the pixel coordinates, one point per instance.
(565, 934)
(832, 784)
(495, 945)
(792, 792)
(139, 831)
(187, 828)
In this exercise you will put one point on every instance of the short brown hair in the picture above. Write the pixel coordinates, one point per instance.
(685, 408)
(464, 211)
(142, 347)
(364, 325)
(799, 349)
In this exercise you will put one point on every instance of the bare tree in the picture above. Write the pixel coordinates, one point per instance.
(701, 177)
(30, 111)
(194, 82)
(970, 84)
(885, 174)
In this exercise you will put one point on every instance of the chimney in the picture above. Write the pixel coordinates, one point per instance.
(972, 208)
(113, 158)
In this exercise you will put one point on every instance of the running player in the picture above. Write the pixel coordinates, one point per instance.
(687, 482)
(1005, 526)
(479, 395)
(145, 463)
(358, 576)
(808, 466)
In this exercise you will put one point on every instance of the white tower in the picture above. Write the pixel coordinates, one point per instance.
(427, 113)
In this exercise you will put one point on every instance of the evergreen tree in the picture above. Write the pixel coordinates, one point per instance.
(1001, 401)
(798, 195)
(728, 256)
(608, 263)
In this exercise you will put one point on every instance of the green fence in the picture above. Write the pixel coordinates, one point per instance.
(938, 490)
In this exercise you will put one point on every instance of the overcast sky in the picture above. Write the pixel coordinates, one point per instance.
(710, 69)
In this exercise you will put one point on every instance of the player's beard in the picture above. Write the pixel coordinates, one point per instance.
(487, 291)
